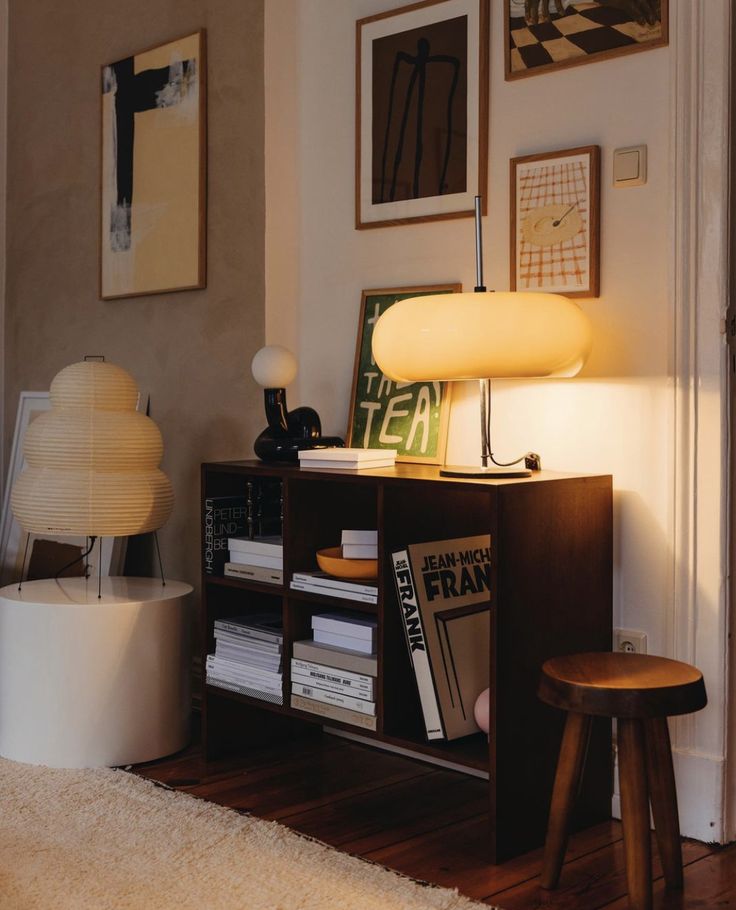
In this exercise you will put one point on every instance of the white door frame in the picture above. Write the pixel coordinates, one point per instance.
(698, 627)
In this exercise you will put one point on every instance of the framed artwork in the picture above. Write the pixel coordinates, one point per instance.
(421, 112)
(555, 222)
(152, 211)
(411, 417)
(544, 35)
(49, 552)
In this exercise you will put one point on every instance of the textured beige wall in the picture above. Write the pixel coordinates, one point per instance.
(191, 350)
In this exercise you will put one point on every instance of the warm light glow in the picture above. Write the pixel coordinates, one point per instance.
(481, 336)
(274, 367)
(92, 460)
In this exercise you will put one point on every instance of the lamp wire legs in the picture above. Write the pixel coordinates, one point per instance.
(99, 569)
(160, 563)
(23, 564)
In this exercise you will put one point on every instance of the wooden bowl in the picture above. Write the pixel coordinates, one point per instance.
(332, 562)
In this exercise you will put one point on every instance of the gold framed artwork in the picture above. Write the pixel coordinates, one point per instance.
(153, 149)
(411, 417)
(555, 222)
(544, 35)
(421, 112)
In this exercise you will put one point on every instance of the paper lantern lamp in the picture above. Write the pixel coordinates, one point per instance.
(92, 460)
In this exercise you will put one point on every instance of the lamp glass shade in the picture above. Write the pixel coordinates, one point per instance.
(92, 460)
(480, 336)
(274, 367)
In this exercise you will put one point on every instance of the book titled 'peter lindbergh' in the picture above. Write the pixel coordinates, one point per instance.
(444, 590)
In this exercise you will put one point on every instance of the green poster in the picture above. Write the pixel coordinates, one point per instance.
(409, 417)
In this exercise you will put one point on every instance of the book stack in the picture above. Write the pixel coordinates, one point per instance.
(359, 544)
(248, 656)
(347, 459)
(327, 586)
(260, 559)
(255, 514)
(334, 675)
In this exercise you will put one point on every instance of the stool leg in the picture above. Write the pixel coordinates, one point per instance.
(664, 799)
(635, 811)
(567, 779)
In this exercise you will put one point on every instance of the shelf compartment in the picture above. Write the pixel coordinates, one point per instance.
(337, 603)
(318, 511)
(257, 587)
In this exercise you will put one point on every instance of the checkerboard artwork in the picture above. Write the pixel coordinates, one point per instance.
(586, 29)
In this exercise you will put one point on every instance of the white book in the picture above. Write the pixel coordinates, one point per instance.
(359, 551)
(333, 712)
(332, 592)
(275, 698)
(254, 573)
(256, 559)
(359, 537)
(407, 594)
(346, 465)
(346, 624)
(332, 698)
(346, 454)
(323, 580)
(265, 546)
(334, 674)
(360, 645)
(252, 682)
(231, 668)
(249, 644)
(329, 686)
(262, 661)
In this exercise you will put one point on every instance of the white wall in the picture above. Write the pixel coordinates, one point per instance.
(618, 417)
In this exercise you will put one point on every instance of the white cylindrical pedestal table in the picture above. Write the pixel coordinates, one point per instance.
(88, 682)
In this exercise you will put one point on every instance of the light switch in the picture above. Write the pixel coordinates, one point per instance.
(630, 166)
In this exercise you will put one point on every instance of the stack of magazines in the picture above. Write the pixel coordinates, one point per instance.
(248, 656)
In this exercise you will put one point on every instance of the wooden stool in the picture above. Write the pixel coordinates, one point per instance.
(641, 692)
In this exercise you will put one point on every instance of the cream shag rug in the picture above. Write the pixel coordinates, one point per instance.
(107, 840)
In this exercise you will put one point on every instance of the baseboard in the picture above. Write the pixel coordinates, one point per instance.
(699, 780)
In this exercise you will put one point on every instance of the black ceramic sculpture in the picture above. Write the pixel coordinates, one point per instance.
(288, 432)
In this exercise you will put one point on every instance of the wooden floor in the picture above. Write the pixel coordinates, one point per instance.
(429, 823)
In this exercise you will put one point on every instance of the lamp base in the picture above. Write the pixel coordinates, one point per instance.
(477, 471)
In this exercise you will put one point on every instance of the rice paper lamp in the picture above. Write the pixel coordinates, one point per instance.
(483, 335)
(92, 460)
(114, 689)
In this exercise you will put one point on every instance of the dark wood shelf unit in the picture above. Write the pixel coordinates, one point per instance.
(551, 540)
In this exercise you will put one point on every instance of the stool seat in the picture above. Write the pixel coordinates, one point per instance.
(641, 692)
(622, 685)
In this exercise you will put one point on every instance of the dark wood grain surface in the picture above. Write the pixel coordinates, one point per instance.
(551, 536)
(432, 825)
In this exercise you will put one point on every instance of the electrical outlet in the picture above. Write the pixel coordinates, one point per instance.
(630, 641)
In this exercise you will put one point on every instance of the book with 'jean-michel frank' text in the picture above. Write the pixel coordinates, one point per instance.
(444, 591)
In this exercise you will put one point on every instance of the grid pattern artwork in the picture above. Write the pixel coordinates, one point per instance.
(564, 265)
(586, 30)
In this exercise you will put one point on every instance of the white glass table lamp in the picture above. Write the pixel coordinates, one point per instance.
(482, 335)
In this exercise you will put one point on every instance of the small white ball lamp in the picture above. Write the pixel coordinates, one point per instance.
(288, 432)
(274, 367)
(93, 674)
